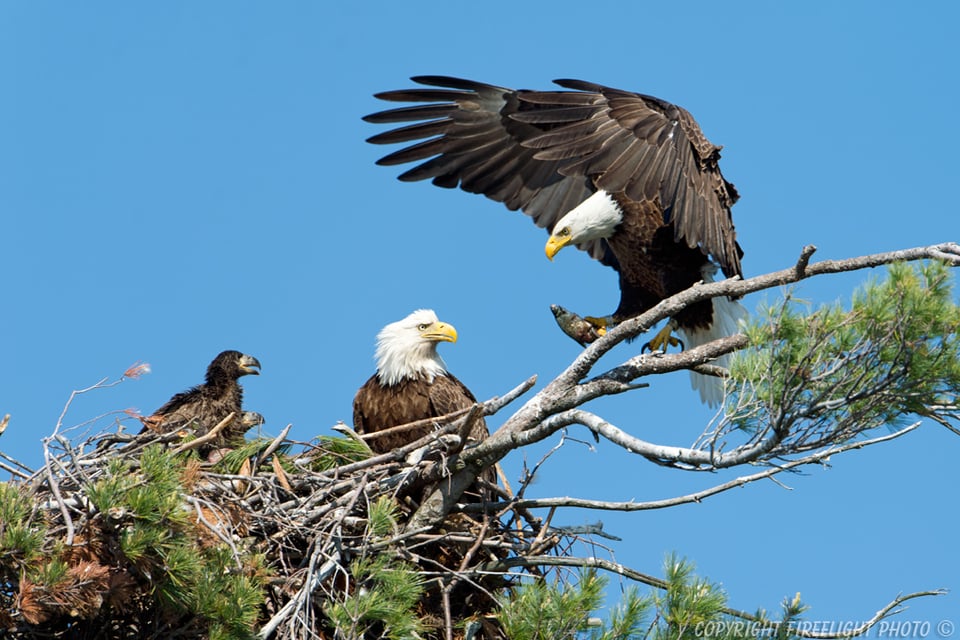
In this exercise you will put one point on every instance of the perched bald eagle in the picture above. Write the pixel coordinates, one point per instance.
(411, 383)
(626, 177)
(204, 406)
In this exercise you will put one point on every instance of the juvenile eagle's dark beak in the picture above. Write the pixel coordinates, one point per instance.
(249, 365)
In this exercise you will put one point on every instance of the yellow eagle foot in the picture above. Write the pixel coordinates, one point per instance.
(663, 339)
(599, 324)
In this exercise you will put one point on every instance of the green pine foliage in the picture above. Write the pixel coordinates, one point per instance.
(382, 601)
(382, 517)
(792, 609)
(50, 573)
(332, 451)
(158, 535)
(687, 606)
(688, 603)
(231, 604)
(628, 618)
(234, 458)
(552, 611)
(21, 535)
(893, 354)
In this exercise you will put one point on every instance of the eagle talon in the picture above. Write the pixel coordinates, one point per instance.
(662, 340)
(599, 324)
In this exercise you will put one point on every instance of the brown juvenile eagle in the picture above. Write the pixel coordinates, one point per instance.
(411, 383)
(204, 406)
(627, 177)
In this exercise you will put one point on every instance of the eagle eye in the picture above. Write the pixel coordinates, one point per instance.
(422, 326)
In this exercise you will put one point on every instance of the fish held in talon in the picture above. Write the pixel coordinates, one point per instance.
(577, 327)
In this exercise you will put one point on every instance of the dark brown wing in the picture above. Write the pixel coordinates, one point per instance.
(646, 148)
(177, 412)
(547, 151)
(202, 408)
(447, 394)
(469, 138)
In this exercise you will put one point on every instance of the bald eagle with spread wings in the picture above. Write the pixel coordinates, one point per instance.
(203, 407)
(626, 177)
(411, 383)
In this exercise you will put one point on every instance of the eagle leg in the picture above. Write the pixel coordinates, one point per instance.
(663, 339)
(600, 324)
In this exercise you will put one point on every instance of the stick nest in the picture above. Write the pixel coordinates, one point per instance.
(122, 536)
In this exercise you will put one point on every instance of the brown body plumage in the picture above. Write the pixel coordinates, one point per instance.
(411, 384)
(377, 407)
(652, 266)
(204, 406)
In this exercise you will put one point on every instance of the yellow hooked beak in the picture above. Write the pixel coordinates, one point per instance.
(439, 332)
(556, 242)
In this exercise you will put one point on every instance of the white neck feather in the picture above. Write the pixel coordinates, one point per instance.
(596, 217)
(402, 355)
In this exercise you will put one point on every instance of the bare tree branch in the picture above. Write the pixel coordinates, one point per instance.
(209, 436)
(698, 496)
(885, 612)
(567, 392)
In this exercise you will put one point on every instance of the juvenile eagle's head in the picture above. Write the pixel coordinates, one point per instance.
(230, 365)
(250, 419)
(407, 349)
(595, 218)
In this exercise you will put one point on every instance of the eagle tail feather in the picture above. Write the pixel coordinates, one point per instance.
(727, 314)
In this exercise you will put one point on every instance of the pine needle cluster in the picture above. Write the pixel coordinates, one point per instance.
(139, 559)
(382, 600)
(830, 374)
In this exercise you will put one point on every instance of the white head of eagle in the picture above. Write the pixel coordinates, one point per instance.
(407, 349)
(596, 218)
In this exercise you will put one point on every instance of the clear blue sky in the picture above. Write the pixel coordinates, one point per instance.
(181, 178)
